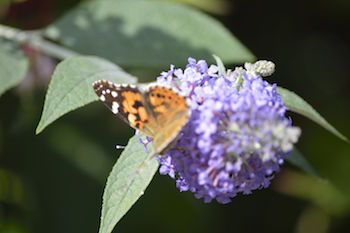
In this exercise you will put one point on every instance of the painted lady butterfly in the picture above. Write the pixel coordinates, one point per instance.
(157, 111)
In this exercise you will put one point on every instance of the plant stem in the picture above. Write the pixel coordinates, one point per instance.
(36, 40)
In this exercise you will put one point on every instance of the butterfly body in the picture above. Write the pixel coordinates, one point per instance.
(157, 111)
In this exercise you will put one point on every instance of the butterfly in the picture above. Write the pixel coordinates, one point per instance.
(157, 111)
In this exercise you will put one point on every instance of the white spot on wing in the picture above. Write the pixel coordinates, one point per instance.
(115, 107)
(102, 98)
(114, 94)
(108, 91)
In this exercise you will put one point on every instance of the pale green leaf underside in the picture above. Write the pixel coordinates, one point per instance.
(143, 33)
(296, 104)
(126, 183)
(298, 160)
(13, 66)
(71, 85)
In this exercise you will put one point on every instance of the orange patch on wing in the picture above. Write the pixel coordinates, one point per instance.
(161, 109)
(129, 99)
(155, 100)
(143, 114)
(161, 96)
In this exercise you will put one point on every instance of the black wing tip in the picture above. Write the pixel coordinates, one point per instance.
(106, 83)
(97, 85)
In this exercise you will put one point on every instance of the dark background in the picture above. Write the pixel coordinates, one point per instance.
(54, 182)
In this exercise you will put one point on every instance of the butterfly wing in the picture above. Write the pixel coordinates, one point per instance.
(128, 103)
(171, 112)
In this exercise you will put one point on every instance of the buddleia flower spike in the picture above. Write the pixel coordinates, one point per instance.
(238, 134)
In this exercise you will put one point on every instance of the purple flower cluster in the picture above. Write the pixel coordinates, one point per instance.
(237, 136)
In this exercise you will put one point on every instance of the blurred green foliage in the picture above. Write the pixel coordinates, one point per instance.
(54, 182)
(13, 66)
(143, 33)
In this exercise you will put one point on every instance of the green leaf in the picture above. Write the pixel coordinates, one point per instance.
(318, 192)
(296, 104)
(71, 85)
(298, 160)
(127, 182)
(222, 7)
(143, 33)
(13, 66)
